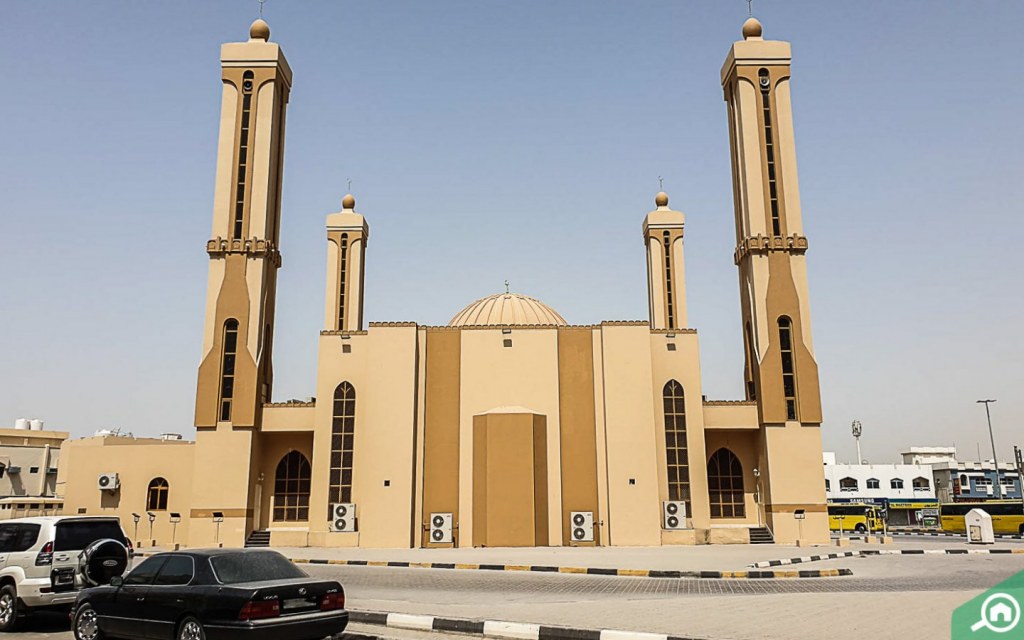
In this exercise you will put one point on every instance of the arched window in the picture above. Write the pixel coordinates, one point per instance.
(725, 485)
(921, 484)
(343, 430)
(873, 483)
(676, 457)
(751, 389)
(227, 369)
(291, 488)
(788, 366)
(156, 495)
(896, 483)
(668, 280)
(769, 149)
(848, 484)
(243, 155)
(341, 281)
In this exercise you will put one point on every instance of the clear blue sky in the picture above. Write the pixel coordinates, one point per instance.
(521, 140)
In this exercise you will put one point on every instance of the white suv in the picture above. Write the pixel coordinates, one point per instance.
(44, 561)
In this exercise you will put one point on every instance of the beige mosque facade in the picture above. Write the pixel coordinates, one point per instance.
(508, 426)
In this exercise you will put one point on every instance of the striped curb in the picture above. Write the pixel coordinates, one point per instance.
(497, 628)
(886, 552)
(590, 571)
(785, 561)
(939, 552)
(949, 534)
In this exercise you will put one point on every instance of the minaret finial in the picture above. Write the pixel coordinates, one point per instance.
(349, 185)
(262, 1)
(661, 184)
(750, 7)
(506, 287)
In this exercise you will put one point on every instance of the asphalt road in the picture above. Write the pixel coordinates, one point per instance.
(915, 593)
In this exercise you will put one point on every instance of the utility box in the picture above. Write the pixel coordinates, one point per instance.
(979, 527)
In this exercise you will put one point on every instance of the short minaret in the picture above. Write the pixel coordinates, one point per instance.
(236, 374)
(781, 371)
(666, 281)
(347, 235)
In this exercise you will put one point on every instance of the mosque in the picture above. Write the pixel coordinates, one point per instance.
(508, 426)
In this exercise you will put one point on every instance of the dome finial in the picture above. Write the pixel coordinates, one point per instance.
(661, 200)
(752, 29)
(259, 30)
(348, 203)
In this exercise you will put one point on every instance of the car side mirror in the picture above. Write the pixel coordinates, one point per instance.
(116, 581)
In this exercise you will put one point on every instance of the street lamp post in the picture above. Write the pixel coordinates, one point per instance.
(857, 430)
(992, 439)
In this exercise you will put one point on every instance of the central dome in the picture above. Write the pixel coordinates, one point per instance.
(504, 309)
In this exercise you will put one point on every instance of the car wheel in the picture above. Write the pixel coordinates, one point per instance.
(87, 624)
(861, 528)
(9, 608)
(191, 629)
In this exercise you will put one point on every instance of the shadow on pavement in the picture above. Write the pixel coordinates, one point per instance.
(44, 622)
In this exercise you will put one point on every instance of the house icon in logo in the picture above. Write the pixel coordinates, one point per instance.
(1000, 612)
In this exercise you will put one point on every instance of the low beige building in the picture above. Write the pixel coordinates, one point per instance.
(29, 458)
(509, 426)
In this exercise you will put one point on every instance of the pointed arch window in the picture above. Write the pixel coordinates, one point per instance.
(227, 370)
(343, 429)
(788, 366)
(725, 485)
(292, 481)
(676, 455)
(156, 495)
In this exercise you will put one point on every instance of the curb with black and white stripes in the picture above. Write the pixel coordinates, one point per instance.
(590, 571)
(886, 552)
(497, 628)
(786, 561)
(949, 534)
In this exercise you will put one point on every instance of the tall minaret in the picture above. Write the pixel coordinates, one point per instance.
(347, 235)
(235, 375)
(666, 282)
(781, 371)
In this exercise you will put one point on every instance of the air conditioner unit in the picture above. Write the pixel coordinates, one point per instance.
(582, 526)
(673, 514)
(440, 527)
(108, 482)
(343, 517)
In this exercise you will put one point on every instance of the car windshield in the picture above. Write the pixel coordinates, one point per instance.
(76, 535)
(232, 568)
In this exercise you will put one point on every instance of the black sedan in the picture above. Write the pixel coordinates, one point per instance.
(215, 594)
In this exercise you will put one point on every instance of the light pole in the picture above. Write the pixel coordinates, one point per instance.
(857, 430)
(757, 494)
(995, 460)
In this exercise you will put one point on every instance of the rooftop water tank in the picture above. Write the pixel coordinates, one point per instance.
(36, 424)
(21, 424)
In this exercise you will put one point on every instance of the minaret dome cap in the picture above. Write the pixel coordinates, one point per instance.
(751, 28)
(661, 199)
(259, 30)
(348, 202)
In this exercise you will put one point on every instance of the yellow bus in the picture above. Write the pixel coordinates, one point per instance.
(854, 517)
(1007, 516)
